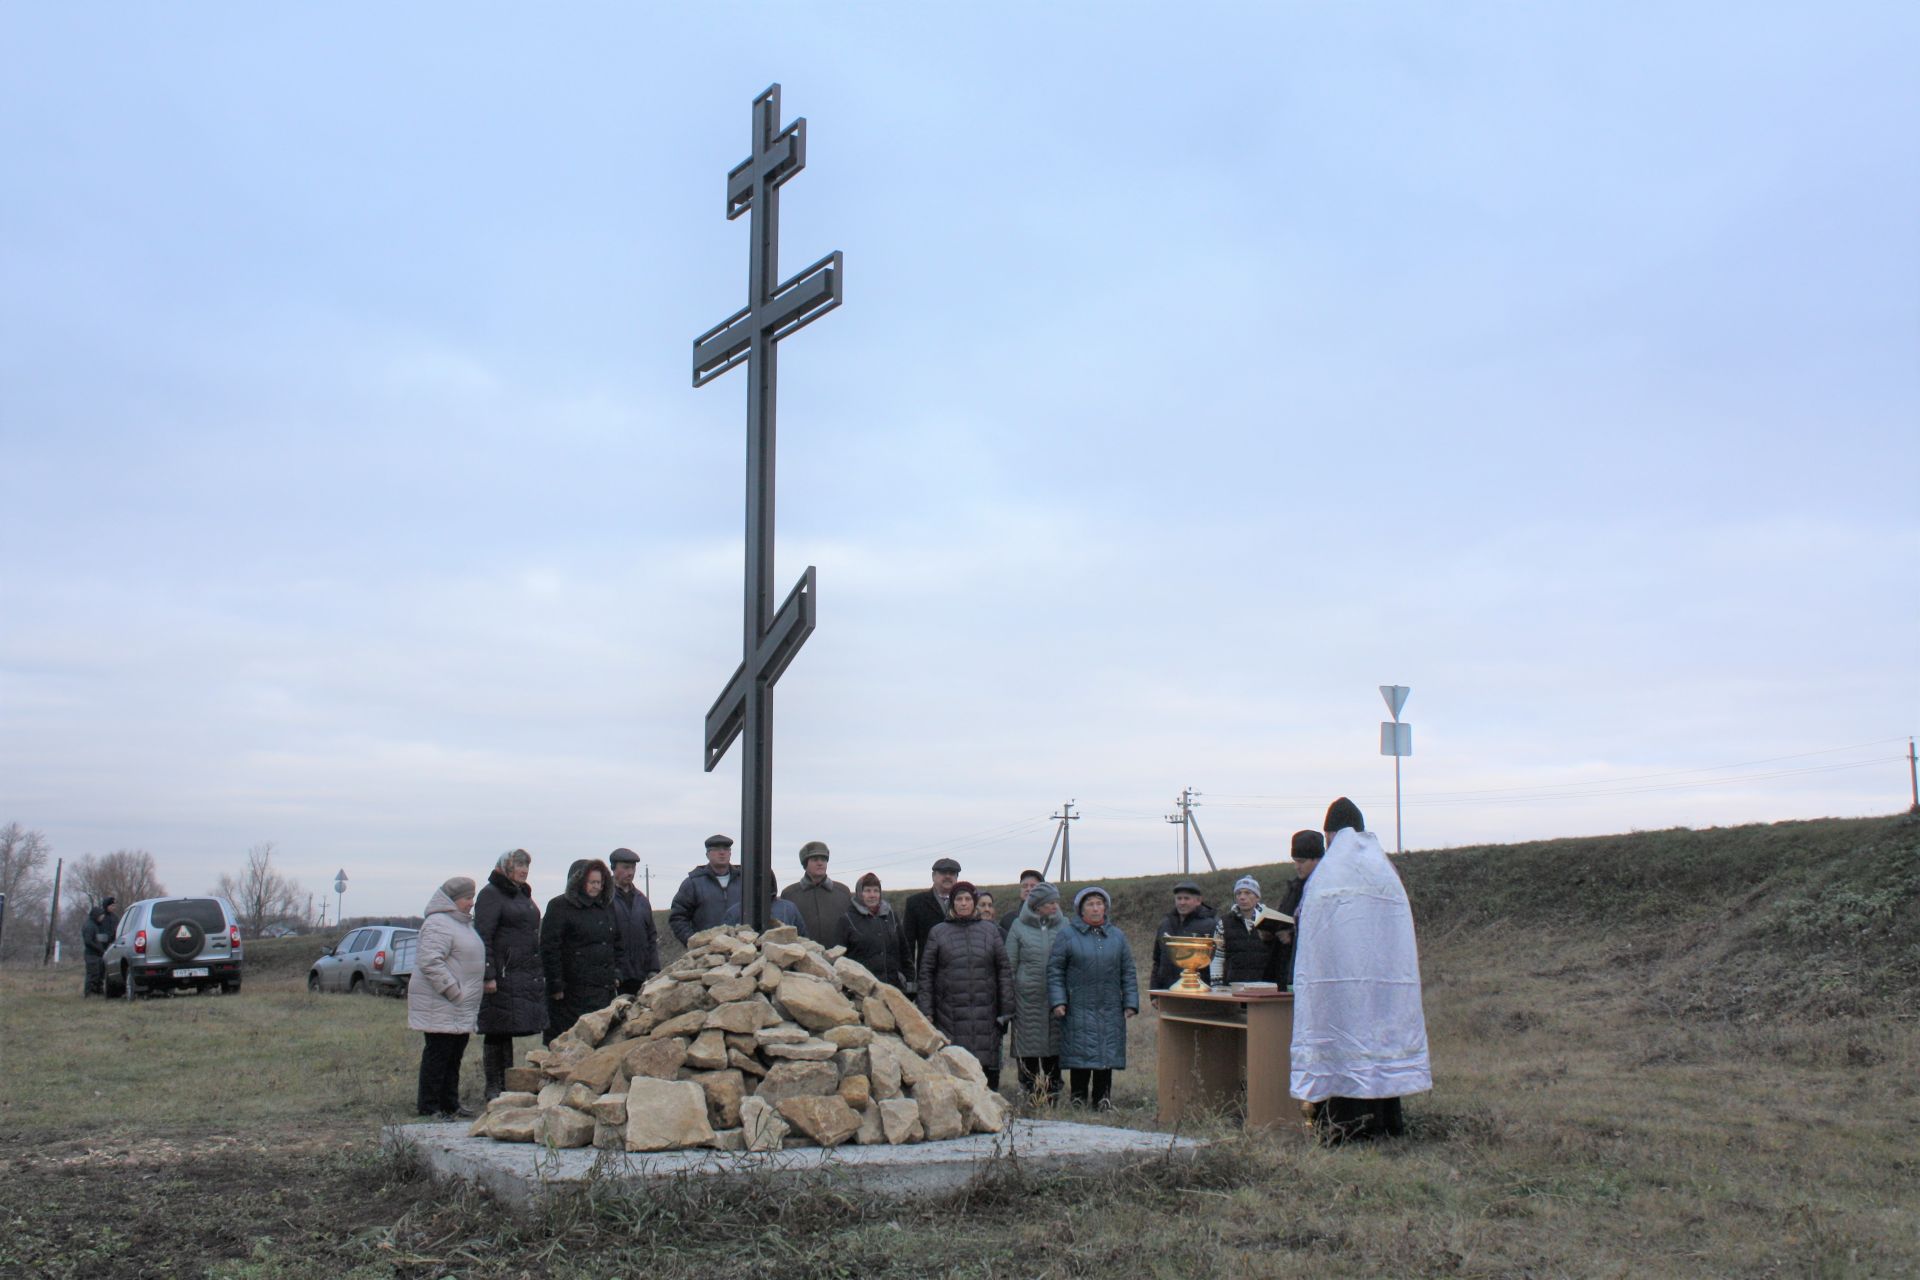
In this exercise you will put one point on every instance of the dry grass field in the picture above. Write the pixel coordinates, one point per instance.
(1671, 1053)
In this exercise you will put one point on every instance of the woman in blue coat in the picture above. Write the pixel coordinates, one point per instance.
(1092, 987)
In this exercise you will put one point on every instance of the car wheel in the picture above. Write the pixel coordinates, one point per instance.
(117, 984)
(358, 987)
(230, 988)
(313, 983)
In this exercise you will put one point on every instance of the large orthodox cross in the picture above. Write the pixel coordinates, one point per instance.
(749, 336)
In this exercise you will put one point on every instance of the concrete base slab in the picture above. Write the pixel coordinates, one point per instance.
(521, 1172)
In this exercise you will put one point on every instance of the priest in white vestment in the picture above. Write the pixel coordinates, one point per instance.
(1359, 1031)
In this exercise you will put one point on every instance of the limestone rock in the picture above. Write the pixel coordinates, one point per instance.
(702, 938)
(595, 1072)
(813, 967)
(872, 1132)
(815, 1005)
(513, 1098)
(919, 1034)
(591, 1029)
(725, 971)
(552, 1094)
(900, 1120)
(733, 988)
(691, 1023)
(725, 1091)
(746, 1062)
(684, 998)
(609, 1137)
(639, 1022)
(939, 1103)
(708, 1052)
(853, 1062)
(769, 979)
(755, 969)
(959, 1064)
(784, 1033)
(610, 1108)
(856, 1092)
(985, 1111)
(808, 1050)
(579, 1097)
(883, 1073)
(779, 933)
(748, 1014)
(874, 1012)
(828, 1121)
(729, 1139)
(851, 1036)
(563, 1127)
(797, 1080)
(659, 1059)
(854, 976)
(743, 1043)
(762, 1125)
(525, 1079)
(786, 955)
(666, 1115)
(834, 953)
(511, 1124)
(889, 1056)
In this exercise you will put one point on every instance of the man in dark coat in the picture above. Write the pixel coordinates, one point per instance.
(1028, 879)
(1308, 848)
(925, 910)
(639, 939)
(95, 936)
(515, 1004)
(704, 896)
(823, 901)
(580, 947)
(1191, 917)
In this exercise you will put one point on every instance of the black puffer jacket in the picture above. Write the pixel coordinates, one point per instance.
(966, 985)
(1200, 924)
(873, 939)
(508, 922)
(580, 946)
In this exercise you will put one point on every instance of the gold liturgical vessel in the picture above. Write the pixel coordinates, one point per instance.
(1192, 955)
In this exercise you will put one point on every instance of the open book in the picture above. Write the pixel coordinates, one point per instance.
(1271, 919)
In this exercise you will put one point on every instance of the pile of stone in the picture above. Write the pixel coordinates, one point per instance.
(748, 1042)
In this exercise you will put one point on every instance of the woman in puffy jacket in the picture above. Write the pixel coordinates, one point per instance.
(443, 996)
(966, 984)
(508, 922)
(872, 932)
(1091, 984)
(580, 947)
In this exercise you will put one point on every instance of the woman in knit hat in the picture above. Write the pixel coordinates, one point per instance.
(1091, 985)
(443, 996)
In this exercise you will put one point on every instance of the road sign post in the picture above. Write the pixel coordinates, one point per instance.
(1396, 740)
(340, 895)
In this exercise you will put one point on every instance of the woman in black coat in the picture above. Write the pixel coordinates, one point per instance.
(966, 982)
(580, 947)
(515, 1004)
(872, 932)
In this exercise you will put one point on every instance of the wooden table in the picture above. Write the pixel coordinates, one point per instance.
(1212, 1045)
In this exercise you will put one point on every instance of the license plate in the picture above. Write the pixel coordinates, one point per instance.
(189, 973)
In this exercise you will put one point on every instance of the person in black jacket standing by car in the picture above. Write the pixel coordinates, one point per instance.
(580, 947)
(515, 1004)
(95, 937)
(639, 939)
(922, 912)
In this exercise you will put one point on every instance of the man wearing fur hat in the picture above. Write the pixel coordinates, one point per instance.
(822, 900)
(1359, 1030)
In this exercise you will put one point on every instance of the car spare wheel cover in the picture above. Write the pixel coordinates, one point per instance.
(182, 940)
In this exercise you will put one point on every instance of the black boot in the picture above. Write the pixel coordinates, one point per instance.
(495, 1059)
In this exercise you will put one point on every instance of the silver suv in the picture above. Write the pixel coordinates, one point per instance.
(175, 944)
(377, 959)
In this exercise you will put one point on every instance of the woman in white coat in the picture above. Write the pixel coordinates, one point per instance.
(443, 997)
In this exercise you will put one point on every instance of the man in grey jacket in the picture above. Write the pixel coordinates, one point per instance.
(639, 939)
(823, 901)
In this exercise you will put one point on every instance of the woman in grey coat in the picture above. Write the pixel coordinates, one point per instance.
(966, 985)
(443, 996)
(1036, 1032)
(508, 921)
(1092, 985)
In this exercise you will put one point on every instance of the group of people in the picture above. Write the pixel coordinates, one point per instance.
(1053, 990)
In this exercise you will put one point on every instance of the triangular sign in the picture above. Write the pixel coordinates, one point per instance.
(1396, 696)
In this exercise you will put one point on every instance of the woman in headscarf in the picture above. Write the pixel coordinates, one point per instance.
(966, 985)
(872, 932)
(1036, 1032)
(443, 996)
(1092, 986)
(508, 922)
(580, 947)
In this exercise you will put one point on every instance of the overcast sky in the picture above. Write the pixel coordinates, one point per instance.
(1201, 369)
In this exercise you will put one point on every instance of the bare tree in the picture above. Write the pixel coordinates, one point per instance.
(126, 875)
(259, 894)
(23, 865)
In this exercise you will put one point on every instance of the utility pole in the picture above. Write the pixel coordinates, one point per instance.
(1189, 825)
(53, 911)
(1913, 777)
(1063, 841)
(646, 877)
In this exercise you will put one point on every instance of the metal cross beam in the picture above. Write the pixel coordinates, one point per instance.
(750, 336)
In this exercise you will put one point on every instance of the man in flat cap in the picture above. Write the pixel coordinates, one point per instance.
(1191, 917)
(707, 892)
(925, 910)
(1359, 1030)
(639, 939)
(822, 900)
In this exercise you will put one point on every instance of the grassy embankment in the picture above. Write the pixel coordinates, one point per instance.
(1669, 1053)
